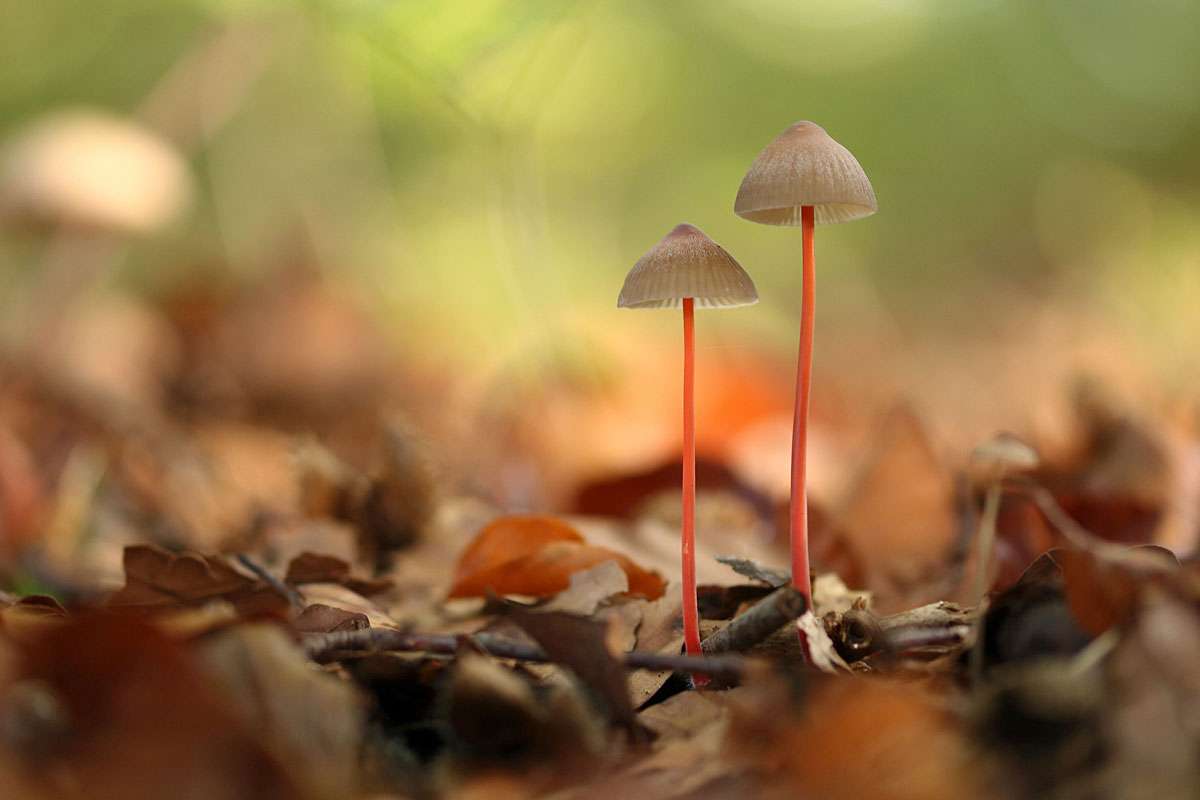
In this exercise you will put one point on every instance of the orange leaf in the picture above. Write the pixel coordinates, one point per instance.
(536, 556)
(509, 538)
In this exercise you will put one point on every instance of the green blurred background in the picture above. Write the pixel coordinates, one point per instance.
(482, 174)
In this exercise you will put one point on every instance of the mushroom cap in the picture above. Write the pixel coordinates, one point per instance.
(804, 166)
(1007, 452)
(686, 263)
(92, 170)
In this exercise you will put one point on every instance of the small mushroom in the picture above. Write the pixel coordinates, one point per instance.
(690, 270)
(991, 461)
(802, 178)
(91, 180)
(92, 171)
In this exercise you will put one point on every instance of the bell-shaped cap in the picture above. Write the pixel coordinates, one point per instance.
(804, 166)
(686, 263)
(92, 170)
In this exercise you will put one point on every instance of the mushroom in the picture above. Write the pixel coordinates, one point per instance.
(92, 171)
(92, 180)
(991, 462)
(690, 270)
(802, 178)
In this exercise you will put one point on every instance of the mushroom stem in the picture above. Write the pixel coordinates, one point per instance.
(799, 501)
(691, 614)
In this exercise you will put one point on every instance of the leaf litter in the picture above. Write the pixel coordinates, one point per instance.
(236, 574)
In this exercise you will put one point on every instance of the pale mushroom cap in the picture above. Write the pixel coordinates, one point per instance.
(686, 263)
(92, 170)
(1006, 451)
(804, 166)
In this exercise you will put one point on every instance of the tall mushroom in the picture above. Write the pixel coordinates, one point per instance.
(802, 178)
(690, 270)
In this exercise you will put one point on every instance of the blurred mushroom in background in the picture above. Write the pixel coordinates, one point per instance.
(89, 181)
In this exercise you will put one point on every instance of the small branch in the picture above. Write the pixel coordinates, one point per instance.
(293, 596)
(322, 647)
(941, 624)
(767, 616)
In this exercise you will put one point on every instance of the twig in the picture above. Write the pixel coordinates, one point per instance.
(939, 624)
(322, 647)
(292, 595)
(767, 616)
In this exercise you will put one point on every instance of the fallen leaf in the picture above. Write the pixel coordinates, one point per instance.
(320, 618)
(508, 538)
(589, 588)
(310, 720)
(142, 720)
(536, 556)
(495, 718)
(1031, 619)
(155, 577)
(581, 645)
(626, 496)
(1103, 586)
(339, 597)
(314, 568)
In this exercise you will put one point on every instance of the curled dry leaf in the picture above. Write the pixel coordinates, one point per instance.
(582, 645)
(1031, 619)
(537, 555)
(590, 588)
(155, 577)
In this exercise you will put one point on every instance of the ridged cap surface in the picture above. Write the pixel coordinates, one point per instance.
(804, 166)
(686, 263)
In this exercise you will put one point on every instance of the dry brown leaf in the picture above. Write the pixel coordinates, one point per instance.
(338, 596)
(155, 577)
(310, 720)
(320, 618)
(314, 568)
(497, 719)
(582, 645)
(589, 589)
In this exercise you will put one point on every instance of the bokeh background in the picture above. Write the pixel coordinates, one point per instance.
(427, 209)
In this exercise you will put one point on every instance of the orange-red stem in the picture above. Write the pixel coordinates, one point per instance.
(799, 504)
(691, 615)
